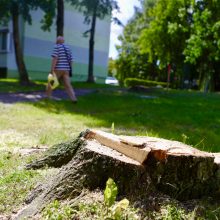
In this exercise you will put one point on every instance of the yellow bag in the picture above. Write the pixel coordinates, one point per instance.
(52, 80)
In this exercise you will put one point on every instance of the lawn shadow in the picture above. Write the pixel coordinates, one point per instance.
(36, 96)
(190, 118)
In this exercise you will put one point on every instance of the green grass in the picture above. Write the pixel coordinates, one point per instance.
(190, 117)
(15, 182)
(13, 85)
(105, 208)
(193, 118)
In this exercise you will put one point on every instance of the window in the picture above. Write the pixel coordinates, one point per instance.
(4, 40)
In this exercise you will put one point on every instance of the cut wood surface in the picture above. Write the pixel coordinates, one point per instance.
(174, 167)
(134, 150)
(138, 148)
(217, 158)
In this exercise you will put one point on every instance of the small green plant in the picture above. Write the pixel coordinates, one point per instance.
(211, 213)
(184, 137)
(110, 192)
(107, 210)
(54, 211)
(113, 127)
(173, 213)
(119, 208)
(43, 139)
(115, 211)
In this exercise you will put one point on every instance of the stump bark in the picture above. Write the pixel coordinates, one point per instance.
(138, 165)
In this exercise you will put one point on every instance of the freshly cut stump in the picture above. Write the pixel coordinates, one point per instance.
(138, 165)
(176, 169)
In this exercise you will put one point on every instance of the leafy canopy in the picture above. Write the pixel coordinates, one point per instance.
(24, 8)
(101, 8)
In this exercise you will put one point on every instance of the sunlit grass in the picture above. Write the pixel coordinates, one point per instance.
(192, 118)
(15, 182)
(26, 125)
(189, 117)
(13, 85)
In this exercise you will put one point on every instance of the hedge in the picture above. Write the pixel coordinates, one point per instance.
(130, 82)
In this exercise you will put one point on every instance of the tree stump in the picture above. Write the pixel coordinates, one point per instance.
(138, 165)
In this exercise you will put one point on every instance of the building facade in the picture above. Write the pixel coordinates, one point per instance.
(37, 46)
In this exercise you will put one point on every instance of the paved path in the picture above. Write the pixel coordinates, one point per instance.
(11, 98)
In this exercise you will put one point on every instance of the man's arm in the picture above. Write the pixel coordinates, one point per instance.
(54, 61)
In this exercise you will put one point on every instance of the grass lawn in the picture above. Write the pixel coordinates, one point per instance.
(13, 85)
(190, 117)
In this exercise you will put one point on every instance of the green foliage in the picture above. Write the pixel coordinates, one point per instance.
(173, 212)
(165, 38)
(184, 138)
(204, 39)
(177, 32)
(108, 210)
(24, 8)
(110, 192)
(212, 214)
(54, 211)
(112, 69)
(15, 9)
(202, 47)
(113, 128)
(123, 211)
(118, 208)
(101, 8)
(130, 82)
(131, 62)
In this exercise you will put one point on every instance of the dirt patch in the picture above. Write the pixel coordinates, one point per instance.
(28, 151)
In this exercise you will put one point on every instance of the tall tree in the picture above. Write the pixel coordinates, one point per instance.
(180, 33)
(14, 9)
(92, 10)
(131, 62)
(168, 30)
(60, 18)
(203, 45)
(185, 31)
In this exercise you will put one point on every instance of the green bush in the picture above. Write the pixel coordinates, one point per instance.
(130, 82)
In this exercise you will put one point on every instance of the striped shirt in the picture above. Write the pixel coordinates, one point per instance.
(64, 57)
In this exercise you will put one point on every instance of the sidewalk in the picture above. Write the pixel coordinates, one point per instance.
(11, 98)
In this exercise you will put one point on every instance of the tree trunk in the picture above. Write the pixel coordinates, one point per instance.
(60, 18)
(23, 75)
(148, 164)
(216, 76)
(91, 48)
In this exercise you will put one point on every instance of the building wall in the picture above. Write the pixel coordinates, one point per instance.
(7, 59)
(38, 46)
